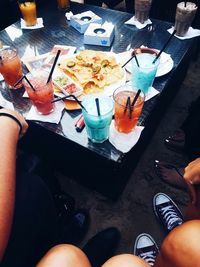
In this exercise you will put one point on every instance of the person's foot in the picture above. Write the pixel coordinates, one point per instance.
(146, 248)
(170, 174)
(176, 141)
(102, 246)
(167, 211)
(75, 228)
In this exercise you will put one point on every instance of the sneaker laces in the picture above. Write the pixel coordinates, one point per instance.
(149, 257)
(170, 216)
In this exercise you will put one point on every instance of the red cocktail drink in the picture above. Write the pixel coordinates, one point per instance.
(10, 67)
(126, 117)
(42, 94)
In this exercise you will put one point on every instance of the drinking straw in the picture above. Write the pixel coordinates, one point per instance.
(185, 3)
(98, 107)
(127, 104)
(129, 107)
(164, 46)
(68, 96)
(133, 56)
(53, 66)
(24, 77)
(135, 98)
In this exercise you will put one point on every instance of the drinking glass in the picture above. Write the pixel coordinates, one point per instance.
(144, 74)
(42, 94)
(142, 8)
(28, 10)
(185, 13)
(63, 4)
(126, 117)
(10, 67)
(97, 127)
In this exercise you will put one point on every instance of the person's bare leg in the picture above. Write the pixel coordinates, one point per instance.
(64, 256)
(181, 247)
(125, 260)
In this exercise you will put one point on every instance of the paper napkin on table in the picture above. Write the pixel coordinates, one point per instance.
(190, 34)
(38, 25)
(124, 142)
(53, 117)
(5, 103)
(137, 24)
(151, 93)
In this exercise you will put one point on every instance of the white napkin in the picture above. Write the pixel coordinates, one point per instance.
(124, 142)
(137, 24)
(38, 25)
(68, 15)
(151, 93)
(190, 34)
(5, 103)
(53, 117)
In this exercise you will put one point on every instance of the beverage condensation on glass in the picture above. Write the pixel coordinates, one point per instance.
(142, 8)
(43, 93)
(185, 14)
(124, 121)
(143, 76)
(97, 127)
(10, 67)
(28, 10)
(63, 4)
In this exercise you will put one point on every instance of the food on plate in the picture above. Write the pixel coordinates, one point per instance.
(93, 70)
(66, 85)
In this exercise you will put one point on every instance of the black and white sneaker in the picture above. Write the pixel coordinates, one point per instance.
(167, 211)
(146, 248)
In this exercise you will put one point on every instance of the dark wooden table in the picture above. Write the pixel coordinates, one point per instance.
(98, 166)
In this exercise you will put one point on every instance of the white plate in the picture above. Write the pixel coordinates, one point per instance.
(165, 66)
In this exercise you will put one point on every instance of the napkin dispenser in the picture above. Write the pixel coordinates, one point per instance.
(81, 21)
(99, 34)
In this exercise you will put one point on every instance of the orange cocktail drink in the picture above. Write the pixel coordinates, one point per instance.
(42, 94)
(10, 67)
(126, 116)
(63, 4)
(28, 10)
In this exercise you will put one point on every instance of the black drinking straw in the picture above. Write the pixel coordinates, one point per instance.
(133, 56)
(127, 104)
(24, 77)
(68, 96)
(185, 3)
(98, 107)
(53, 66)
(164, 46)
(135, 98)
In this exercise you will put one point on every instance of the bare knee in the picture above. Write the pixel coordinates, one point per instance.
(64, 255)
(181, 246)
(125, 260)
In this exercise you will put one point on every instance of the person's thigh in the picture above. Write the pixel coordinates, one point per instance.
(181, 247)
(34, 228)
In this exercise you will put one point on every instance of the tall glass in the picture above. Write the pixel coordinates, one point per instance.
(185, 13)
(97, 126)
(10, 67)
(126, 117)
(63, 4)
(142, 8)
(144, 74)
(42, 94)
(28, 10)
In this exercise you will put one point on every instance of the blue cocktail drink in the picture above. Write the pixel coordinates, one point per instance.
(143, 76)
(97, 127)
